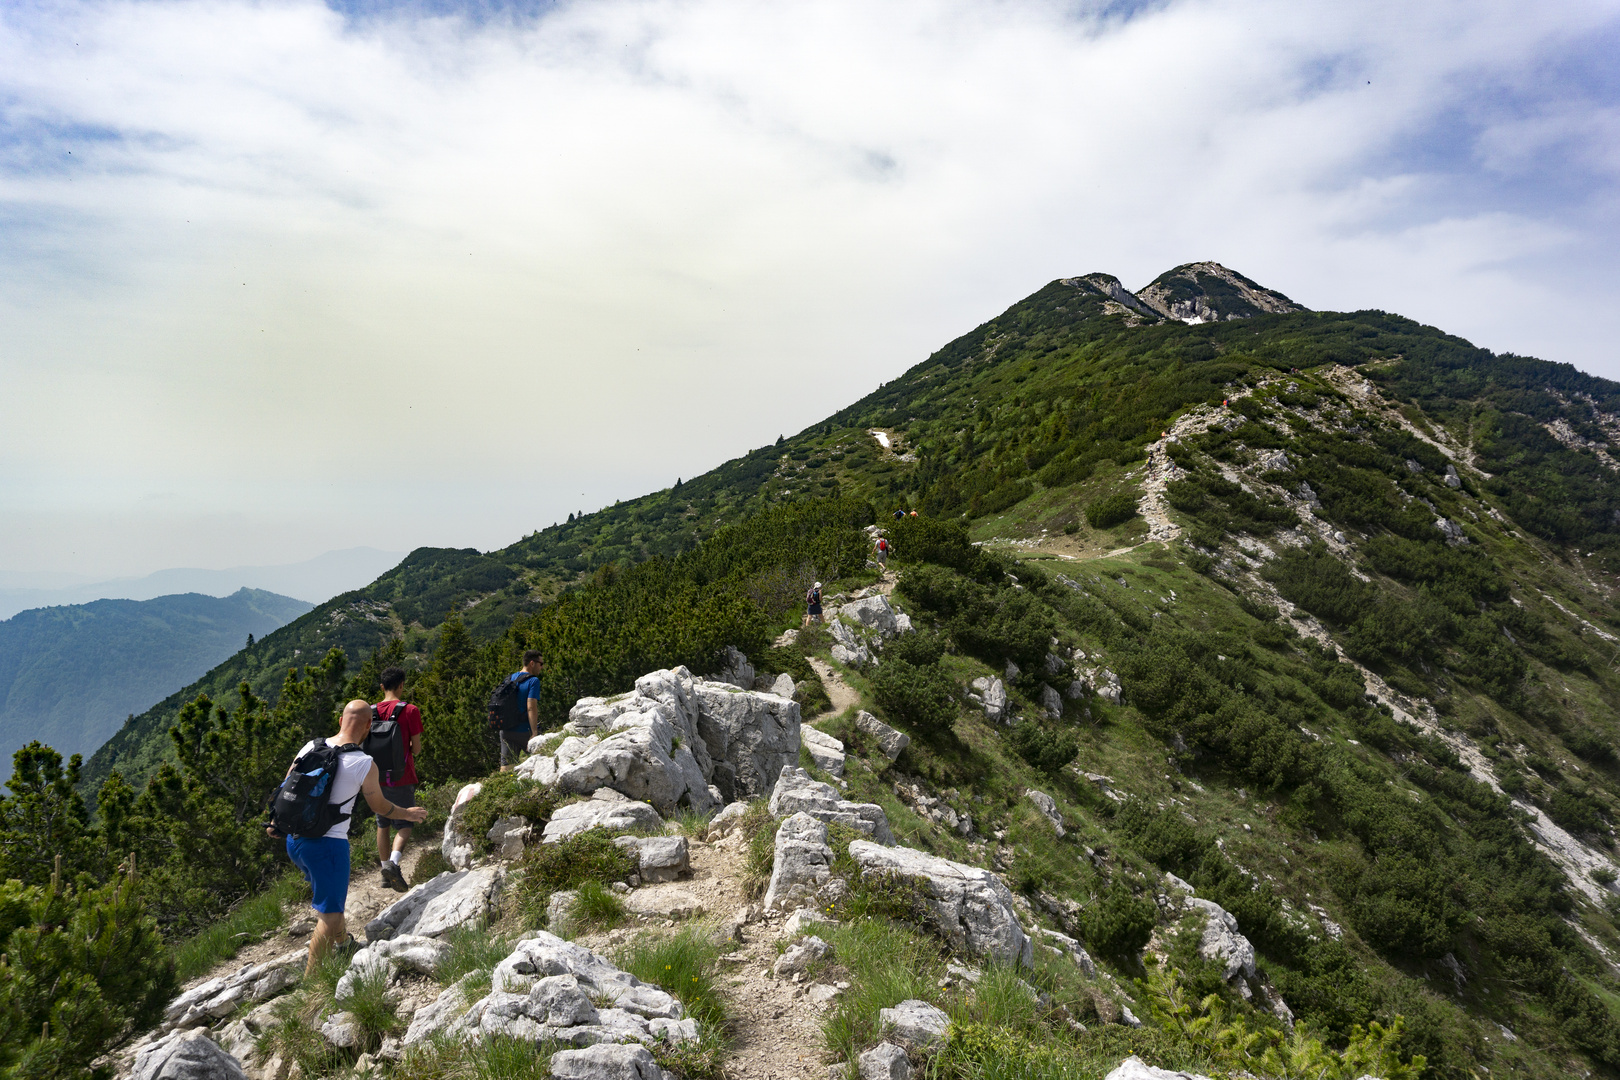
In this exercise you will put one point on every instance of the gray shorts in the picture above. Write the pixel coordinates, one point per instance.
(401, 795)
(514, 744)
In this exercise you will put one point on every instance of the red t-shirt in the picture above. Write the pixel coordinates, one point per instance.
(410, 725)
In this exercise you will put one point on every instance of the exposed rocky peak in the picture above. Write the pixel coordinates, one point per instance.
(1209, 292)
(1117, 299)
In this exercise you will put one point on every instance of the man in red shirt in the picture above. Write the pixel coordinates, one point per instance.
(409, 719)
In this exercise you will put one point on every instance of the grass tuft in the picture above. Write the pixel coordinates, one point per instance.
(684, 964)
(548, 868)
(251, 920)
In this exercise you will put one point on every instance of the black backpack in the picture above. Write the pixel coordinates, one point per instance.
(508, 709)
(302, 805)
(386, 745)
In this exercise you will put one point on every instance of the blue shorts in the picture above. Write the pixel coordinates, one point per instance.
(325, 863)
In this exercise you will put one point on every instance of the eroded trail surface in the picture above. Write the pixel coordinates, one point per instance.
(842, 694)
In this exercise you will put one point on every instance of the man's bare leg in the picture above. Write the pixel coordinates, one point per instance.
(330, 930)
(382, 844)
(401, 838)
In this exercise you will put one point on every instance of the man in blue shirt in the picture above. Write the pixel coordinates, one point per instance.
(514, 739)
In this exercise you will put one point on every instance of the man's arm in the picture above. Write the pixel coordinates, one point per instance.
(416, 745)
(380, 804)
(534, 717)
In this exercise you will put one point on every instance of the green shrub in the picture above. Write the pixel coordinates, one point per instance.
(919, 648)
(568, 864)
(506, 794)
(1048, 749)
(920, 698)
(1118, 923)
(1111, 510)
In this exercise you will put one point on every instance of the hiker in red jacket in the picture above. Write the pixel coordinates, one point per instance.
(403, 793)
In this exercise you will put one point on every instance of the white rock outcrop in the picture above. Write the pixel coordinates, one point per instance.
(1048, 808)
(658, 858)
(454, 898)
(187, 1055)
(991, 695)
(796, 792)
(219, 997)
(605, 809)
(972, 908)
(457, 847)
(826, 751)
(391, 957)
(891, 742)
(1222, 942)
(1134, 1068)
(914, 1022)
(803, 862)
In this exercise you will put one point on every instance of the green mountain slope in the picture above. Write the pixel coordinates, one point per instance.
(1337, 591)
(70, 675)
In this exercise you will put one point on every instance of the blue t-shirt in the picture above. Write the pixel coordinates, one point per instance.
(528, 690)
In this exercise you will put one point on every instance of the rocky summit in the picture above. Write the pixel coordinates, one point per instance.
(1203, 686)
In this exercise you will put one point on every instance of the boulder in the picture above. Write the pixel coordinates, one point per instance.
(992, 695)
(389, 957)
(890, 741)
(452, 899)
(735, 669)
(885, 1061)
(457, 847)
(796, 792)
(848, 648)
(1052, 702)
(508, 836)
(342, 1030)
(1076, 690)
(973, 909)
(915, 1023)
(615, 815)
(658, 858)
(219, 997)
(1452, 480)
(1076, 951)
(873, 612)
(800, 955)
(783, 686)
(1134, 1068)
(801, 920)
(803, 862)
(543, 955)
(1048, 808)
(186, 1056)
(1222, 942)
(642, 754)
(606, 1061)
(1108, 687)
(826, 751)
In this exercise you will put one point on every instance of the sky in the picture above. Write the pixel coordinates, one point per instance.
(278, 277)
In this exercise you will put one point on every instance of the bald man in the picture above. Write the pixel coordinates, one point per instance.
(325, 859)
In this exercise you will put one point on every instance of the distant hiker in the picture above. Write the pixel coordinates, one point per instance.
(312, 810)
(883, 551)
(899, 514)
(400, 789)
(812, 604)
(914, 513)
(515, 709)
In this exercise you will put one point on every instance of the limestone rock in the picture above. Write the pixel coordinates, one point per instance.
(664, 902)
(796, 792)
(342, 1030)
(606, 1061)
(521, 996)
(890, 741)
(1075, 690)
(239, 1041)
(508, 836)
(826, 751)
(1076, 951)
(1134, 1068)
(388, 958)
(1452, 480)
(659, 858)
(452, 899)
(735, 669)
(783, 686)
(973, 909)
(726, 821)
(1108, 687)
(186, 1056)
(885, 1061)
(1052, 702)
(992, 695)
(749, 736)
(800, 955)
(1048, 808)
(874, 612)
(1222, 942)
(219, 997)
(803, 862)
(442, 1012)
(801, 920)
(457, 847)
(614, 815)
(914, 1022)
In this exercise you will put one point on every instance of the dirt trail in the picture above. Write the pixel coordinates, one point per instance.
(842, 694)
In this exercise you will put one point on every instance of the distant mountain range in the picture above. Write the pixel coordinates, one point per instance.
(316, 580)
(71, 675)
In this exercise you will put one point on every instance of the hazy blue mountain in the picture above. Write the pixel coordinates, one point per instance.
(316, 580)
(70, 675)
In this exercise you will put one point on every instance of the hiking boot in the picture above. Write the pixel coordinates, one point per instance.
(394, 877)
(347, 948)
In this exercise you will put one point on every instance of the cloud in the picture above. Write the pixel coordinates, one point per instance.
(468, 269)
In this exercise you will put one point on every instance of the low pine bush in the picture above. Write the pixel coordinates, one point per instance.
(1111, 510)
(1119, 924)
(1045, 748)
(921, 698)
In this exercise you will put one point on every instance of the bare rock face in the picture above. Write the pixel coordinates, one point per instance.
(973, 909)
(875, 612)
(991, 694)
(1048, 808)
(606, 1061)
(1052, 702)
(442, 1012)
(391, 957)
(457, 847)
(749, 736)
(1208, 292)
(803, 862)
(219, 997)
(187, 1056)
(735, 669)
(452, 899)
(914, 1022)
(885, 1061)
(1134, 1068)
(796, 792)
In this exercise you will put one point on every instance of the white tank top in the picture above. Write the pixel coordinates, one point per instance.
(353, 768)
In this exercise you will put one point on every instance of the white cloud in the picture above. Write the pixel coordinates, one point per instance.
(298, 272)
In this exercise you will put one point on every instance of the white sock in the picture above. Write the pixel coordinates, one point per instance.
(394, 858)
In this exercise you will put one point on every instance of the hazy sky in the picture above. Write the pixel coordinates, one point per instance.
(278, 277)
